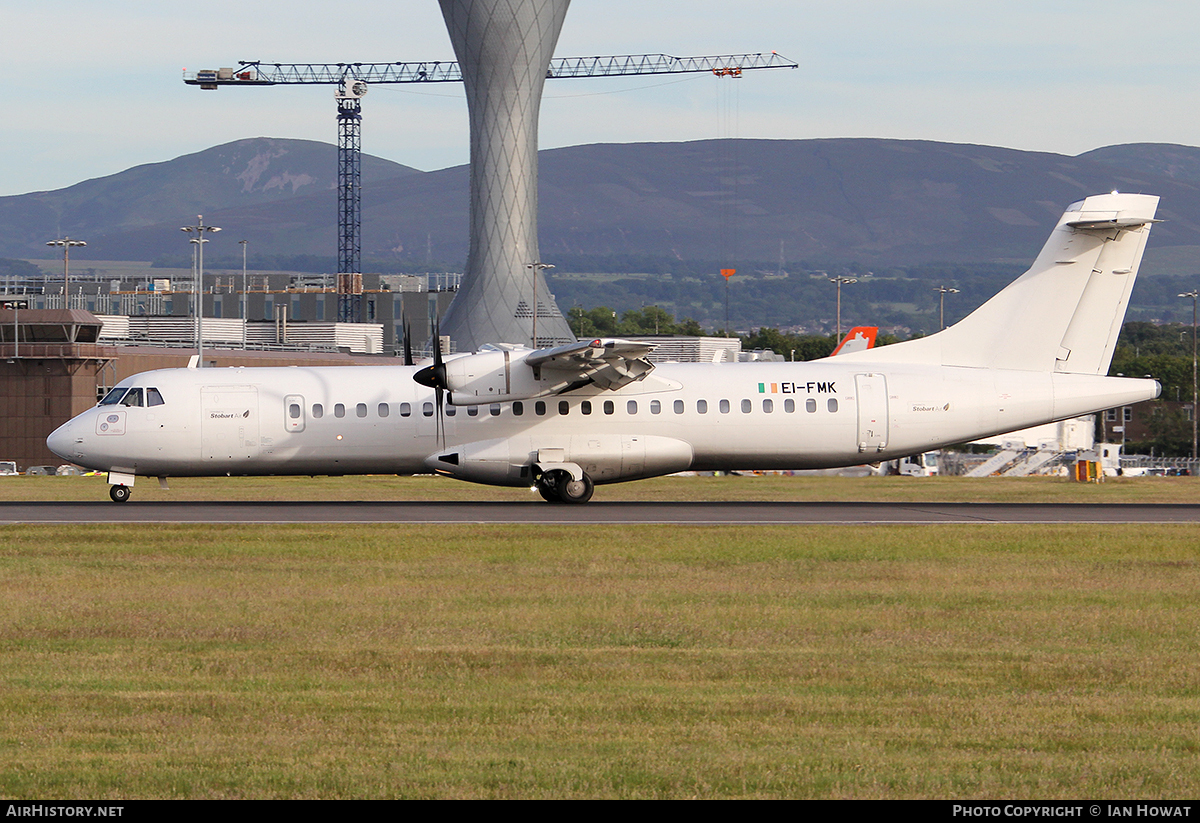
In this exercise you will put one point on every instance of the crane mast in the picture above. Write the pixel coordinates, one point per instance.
(353, 79)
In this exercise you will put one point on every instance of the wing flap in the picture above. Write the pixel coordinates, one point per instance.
(608, 363)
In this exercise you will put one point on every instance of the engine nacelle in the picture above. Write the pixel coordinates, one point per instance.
(492, 377)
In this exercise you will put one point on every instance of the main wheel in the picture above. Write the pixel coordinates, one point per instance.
(118, 493)
(571, 490)
(548, 484)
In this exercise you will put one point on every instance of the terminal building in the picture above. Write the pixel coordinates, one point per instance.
(276, 307)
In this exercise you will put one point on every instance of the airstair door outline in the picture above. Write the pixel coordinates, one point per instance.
(871, 390)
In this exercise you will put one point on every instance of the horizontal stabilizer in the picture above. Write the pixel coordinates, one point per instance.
(1092, 224)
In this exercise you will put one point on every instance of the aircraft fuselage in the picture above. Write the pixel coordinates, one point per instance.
(367, 419)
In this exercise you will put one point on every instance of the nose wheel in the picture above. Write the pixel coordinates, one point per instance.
(118, 493)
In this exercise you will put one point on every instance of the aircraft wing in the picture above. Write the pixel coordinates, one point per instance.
(608, 363)
(506, 373)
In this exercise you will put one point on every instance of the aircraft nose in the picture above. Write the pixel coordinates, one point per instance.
(60, 441)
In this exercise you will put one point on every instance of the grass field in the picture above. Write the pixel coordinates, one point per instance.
(972, 661)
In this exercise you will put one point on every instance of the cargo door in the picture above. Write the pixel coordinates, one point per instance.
(229, 423)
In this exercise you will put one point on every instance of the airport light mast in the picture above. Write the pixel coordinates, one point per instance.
(352, 80)
(66, 243)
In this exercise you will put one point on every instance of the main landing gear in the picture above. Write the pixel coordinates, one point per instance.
(558, 486)
(118, 493)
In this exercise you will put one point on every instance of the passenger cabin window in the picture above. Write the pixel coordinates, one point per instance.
(631, 407)
(405, 410)
(294, 411)
(810, 405)
(426, 409)
(383, 410)
(609, 408)
(153, 398)
(585, 407)
(361, 410)
(318, 411)
(539, 408)
(132, 398)
(494, 410)
(451, 410)
(789, 405)
(702, 406)
(679, 407)
(564, 407)
(339, 410)
(518, 408)
(724, 406)
(768, 405)
(472, 411)
(746, 406)
(655, 407)
(832, 404)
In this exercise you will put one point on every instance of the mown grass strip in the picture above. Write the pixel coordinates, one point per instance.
(501, 661)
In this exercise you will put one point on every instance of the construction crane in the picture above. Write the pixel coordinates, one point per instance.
(352, 80)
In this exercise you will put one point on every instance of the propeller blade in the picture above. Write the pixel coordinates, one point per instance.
(439, 379)
(434, 376)
(408, 355)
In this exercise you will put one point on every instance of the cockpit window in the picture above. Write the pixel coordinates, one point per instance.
(114, 396)
(153, 397)
(133, 398)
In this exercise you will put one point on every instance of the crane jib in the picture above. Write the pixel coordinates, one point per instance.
(258, 73)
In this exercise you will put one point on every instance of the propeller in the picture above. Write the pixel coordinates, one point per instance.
(435, 378)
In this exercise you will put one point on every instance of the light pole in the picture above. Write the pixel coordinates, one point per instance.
(66, 243)
(198, 286)
(536, 267)
(243, 244)
(942, 292)
(1193, 294)
(840, 280)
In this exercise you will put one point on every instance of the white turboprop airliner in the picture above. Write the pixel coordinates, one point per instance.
(566, 418)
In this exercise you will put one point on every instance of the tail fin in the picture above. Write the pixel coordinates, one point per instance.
(1065, 313)
(859, 338)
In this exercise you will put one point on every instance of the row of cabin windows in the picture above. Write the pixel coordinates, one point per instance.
(384, 410)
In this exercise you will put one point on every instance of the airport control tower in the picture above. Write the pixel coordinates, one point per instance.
(504, 48)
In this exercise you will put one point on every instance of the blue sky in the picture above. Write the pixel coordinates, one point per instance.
(92, 89)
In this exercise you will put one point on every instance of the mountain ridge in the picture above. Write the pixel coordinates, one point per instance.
(870, 201)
